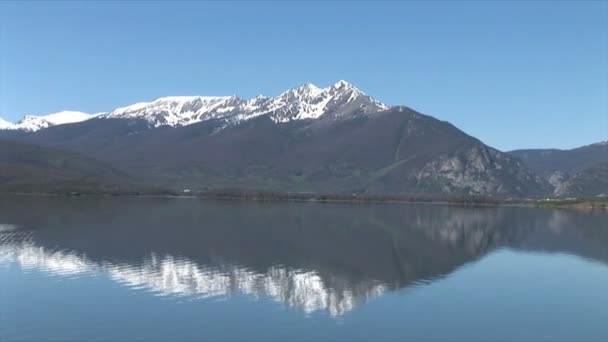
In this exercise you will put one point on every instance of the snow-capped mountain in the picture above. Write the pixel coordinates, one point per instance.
(305, 102)
(310, 102)
(177, 110)
(31, 123)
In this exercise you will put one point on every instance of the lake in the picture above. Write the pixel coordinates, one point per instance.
(106, 269)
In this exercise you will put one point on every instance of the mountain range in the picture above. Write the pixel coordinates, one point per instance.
(305, 102)
(332, 139)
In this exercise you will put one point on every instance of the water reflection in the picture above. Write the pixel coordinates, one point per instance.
(171, 276)
(327, 258)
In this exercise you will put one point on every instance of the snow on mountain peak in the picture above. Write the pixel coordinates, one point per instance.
(310, 102)
(303, 102)
(342, 84)
(307, 90)
(32, 123)
(168, 102)
(177, 110)
(66, 116)
(310, 88)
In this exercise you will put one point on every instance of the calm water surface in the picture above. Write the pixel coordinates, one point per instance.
(169, 269)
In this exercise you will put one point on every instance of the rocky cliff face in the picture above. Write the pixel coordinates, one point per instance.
(482, 170)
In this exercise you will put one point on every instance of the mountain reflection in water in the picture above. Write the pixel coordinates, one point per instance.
(312, 257)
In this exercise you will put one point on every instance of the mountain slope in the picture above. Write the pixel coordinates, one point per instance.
(590, 182)
(31, 168)
(393, 151)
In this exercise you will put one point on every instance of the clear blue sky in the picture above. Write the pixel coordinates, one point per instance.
(514, 74)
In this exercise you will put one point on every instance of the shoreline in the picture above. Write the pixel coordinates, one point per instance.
(583, 204)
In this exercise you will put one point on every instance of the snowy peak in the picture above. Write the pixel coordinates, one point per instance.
(309, 89)
(177, 110)
(32, 123)
(304, 102)
(342, 84)
(172, 103)
(311, 102)
(66, 116)
(307, 101)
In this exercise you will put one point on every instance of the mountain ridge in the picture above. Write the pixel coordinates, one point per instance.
(299, 103)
